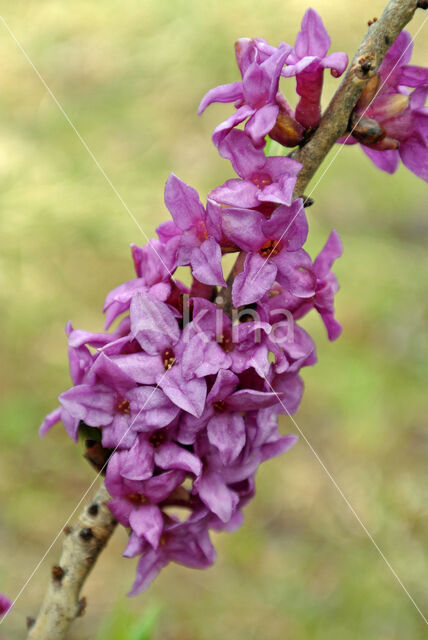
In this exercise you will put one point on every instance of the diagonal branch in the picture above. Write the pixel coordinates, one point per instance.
(81, 548)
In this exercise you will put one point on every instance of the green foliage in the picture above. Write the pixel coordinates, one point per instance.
(121, 624)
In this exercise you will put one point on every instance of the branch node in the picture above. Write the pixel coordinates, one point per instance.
(86, 534)
(81, 607)
(57, 573)
(93, 509)
(30, 622)
(366, 66)
(422, 4)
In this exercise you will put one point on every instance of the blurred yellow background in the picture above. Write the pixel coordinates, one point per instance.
(130, 76)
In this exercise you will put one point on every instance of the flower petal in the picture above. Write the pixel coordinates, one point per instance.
(243, 227)
(183, 203)
(151, 408)
(226, 431)
(236, 193)
(386, 160)
(171, 456)
(187, 394)
(52, 418)
(222, 93)
(93, 404)
(313, 39)
(254, 281)
(206, 263)
(148, 568)
(217, 496)
(246, 159)
(147, 522)
(263, 121)
(153, 324)
(138, 462)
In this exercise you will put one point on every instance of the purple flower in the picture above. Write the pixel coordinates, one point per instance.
(292, 347)
(224, 489)
(222, 417)
(155, 327)
(307, 62)
(214, 343)
(186, 397)
(119, 300)
(326, 286)
(112, 401)
(197, 240)
(137, 503)
(398, 114)
(185, 543)
(254, 96)
(273, 251)
(5, 604)
(155, 262)
(263, 180)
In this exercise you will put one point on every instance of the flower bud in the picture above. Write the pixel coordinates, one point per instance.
(369, 93)
(389, 106)
(386, 144)
(366, 130)
(287, 131)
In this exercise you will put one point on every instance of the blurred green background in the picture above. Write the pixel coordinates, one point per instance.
(130, 76)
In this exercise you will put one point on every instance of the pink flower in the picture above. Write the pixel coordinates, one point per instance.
(395, 103)
(254, 96)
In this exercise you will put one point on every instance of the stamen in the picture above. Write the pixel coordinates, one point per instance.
(261, 180)
(225, 342)
(137, 498)
(219, 406)
(157, 438)
(122, 405)
(168, 358)
(270, 249)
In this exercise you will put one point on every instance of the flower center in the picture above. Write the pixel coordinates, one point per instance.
(137, 498)
(261, 180)
(168, 358)
(225, 342)
(157, 438)
(201, 230)
(122, 405)
(219, 406)
(270, 249)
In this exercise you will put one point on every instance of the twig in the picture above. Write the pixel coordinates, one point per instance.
(81, 548)
(365, 64)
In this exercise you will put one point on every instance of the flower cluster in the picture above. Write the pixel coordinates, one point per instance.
(179, 402)
(390, 119)
(257, 98)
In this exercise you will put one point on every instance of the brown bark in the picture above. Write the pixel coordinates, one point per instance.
(82, 545)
